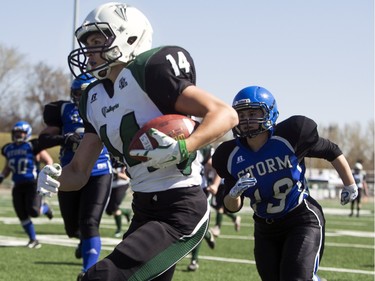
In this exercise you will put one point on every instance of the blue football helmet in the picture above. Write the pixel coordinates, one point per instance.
(255, 97)
(78, 86)
(23, 127)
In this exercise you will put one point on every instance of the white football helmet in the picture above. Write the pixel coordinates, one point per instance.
(127, 31)
(358, 166)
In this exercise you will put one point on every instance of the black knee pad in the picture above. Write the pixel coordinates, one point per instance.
(33, 213)
(89, 228)
(72, 233)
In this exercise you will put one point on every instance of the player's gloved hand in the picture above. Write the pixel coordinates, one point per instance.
(241, 185)
(169, 151)
(72, 140)
(349, 193)
(1, 178)
(47, 183)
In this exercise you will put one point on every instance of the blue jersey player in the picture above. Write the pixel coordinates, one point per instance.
(81, 210)
(22, 159)
(265, 163)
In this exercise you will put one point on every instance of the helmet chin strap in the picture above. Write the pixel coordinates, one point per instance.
(103, 73)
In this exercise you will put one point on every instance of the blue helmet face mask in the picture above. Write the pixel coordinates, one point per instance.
(79, 85)
(255, 98)
(21, 131)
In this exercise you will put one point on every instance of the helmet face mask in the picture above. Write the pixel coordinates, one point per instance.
(21, 132)
(79, 57)
(250, 124)
(257, 112)
(126, 33)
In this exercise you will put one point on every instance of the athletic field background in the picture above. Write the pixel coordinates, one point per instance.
(348, 256)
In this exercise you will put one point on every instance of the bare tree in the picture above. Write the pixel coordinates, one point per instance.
(10, 64)
(355, 142)
(11, 73)
(46, 85)
(360, 143)
(26, 89)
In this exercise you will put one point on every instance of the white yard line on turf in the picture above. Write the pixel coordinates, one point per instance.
(109, 243)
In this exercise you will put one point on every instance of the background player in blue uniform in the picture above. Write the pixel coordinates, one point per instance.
(138, 84)
(81, 210)
(265, 163)
(22, 160)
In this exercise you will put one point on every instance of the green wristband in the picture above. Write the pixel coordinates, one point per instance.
(183, 151)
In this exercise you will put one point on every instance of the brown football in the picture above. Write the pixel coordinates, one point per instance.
(174, 125)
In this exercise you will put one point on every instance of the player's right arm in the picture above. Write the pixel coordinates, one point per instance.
(76, 174)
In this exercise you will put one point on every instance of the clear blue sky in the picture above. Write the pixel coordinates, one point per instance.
(315, 56)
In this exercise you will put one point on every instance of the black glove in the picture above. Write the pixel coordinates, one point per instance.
(1, 178)
(72, 141)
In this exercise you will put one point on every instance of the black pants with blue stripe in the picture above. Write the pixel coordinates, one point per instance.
(290, 248)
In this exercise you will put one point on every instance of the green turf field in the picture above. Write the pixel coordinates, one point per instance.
(349, 250)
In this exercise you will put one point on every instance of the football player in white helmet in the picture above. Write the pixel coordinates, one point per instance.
(137, 84)
(127, 34)
(360, 179)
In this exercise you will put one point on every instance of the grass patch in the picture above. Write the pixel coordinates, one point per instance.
(349, 251)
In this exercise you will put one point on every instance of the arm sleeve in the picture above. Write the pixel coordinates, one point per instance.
(168, 72)
(52, 114)
(303, 134)
(219, 162)
(312, 145)
(52, 117)
(325, 149)
(36, 147)
(47, 141)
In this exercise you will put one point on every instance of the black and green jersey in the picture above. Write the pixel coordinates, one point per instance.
(148, 87)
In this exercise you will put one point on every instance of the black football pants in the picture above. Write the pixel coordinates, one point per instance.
(292, 247)
(82, 210)
(166, 226)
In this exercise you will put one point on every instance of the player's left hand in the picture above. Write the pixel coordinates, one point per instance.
(242, 185)
(169, 151)
(47, 183)
(349, 193)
